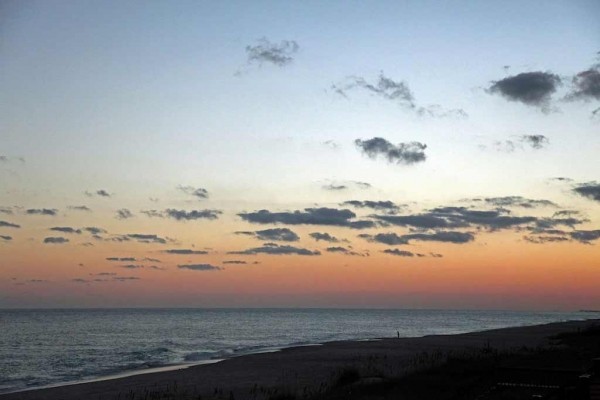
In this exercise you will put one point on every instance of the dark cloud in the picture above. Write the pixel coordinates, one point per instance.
(239, 262)
(5, 224)
(42, 211)
(585, 236)
(276, 234)
(124, 213)
(5, 238)
(100, 192)
(343, 250)
(310, 216)
(326, 237)
(79, 208)
(530, 88)
(199, 267)
(440, 236)
(151, 259)
(385, 238)
(184, 251)
(66, 229)
(586, 85)
(385, 87)
(182, 215)
(375, 205)
(518, 201)
(591, 190)
(275, 249)
(6, 210)
(56, 240)
(402, 153)
(424, 221)
(280, 54)
(397, 252)
(122, 259)
(491, 219)
(199, 193)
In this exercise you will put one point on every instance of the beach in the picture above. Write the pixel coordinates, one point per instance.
(304, 370)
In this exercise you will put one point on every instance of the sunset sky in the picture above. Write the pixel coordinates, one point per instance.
(415, 154)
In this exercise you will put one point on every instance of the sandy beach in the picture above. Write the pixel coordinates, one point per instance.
(301, 369)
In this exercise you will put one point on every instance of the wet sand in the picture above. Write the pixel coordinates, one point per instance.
(300, 370)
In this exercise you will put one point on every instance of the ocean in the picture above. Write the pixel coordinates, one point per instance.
(49, 347)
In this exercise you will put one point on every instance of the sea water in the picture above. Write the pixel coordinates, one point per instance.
(48, 347)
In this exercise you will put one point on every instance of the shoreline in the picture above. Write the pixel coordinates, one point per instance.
(303, 366)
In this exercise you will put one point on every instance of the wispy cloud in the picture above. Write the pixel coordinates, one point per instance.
(265, 51)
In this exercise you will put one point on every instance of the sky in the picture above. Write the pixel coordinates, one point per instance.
(415, 154)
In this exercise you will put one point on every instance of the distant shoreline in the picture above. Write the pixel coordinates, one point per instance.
(298, 367)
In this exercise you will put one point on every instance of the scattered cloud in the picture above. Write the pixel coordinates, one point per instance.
(387, 206)
(94, 230)
(132, 266)
(239, 262)
(99, 193)
(397, 92)
(397, 252)
(310, 216)
(124, 213)
(79, 208)
(326, 237)
(153, 213)
(585, 236)
(122, 259)
(275, 249)
(535, 141)
(334, 188)
(345, 251)
(586, 85)
(5, 238)
(42, 211)
(518, 201)
(199, 267)
(185, 251)
(66, 229)
(384, 87)
(279, 54)
(182, 215)
(276, 234)
(140, 238)
(56, 240)
(6, 210)
(402, 153)
(591, 190)
(530, 88)
(439, 236)
(5, 224)
(199, 193)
